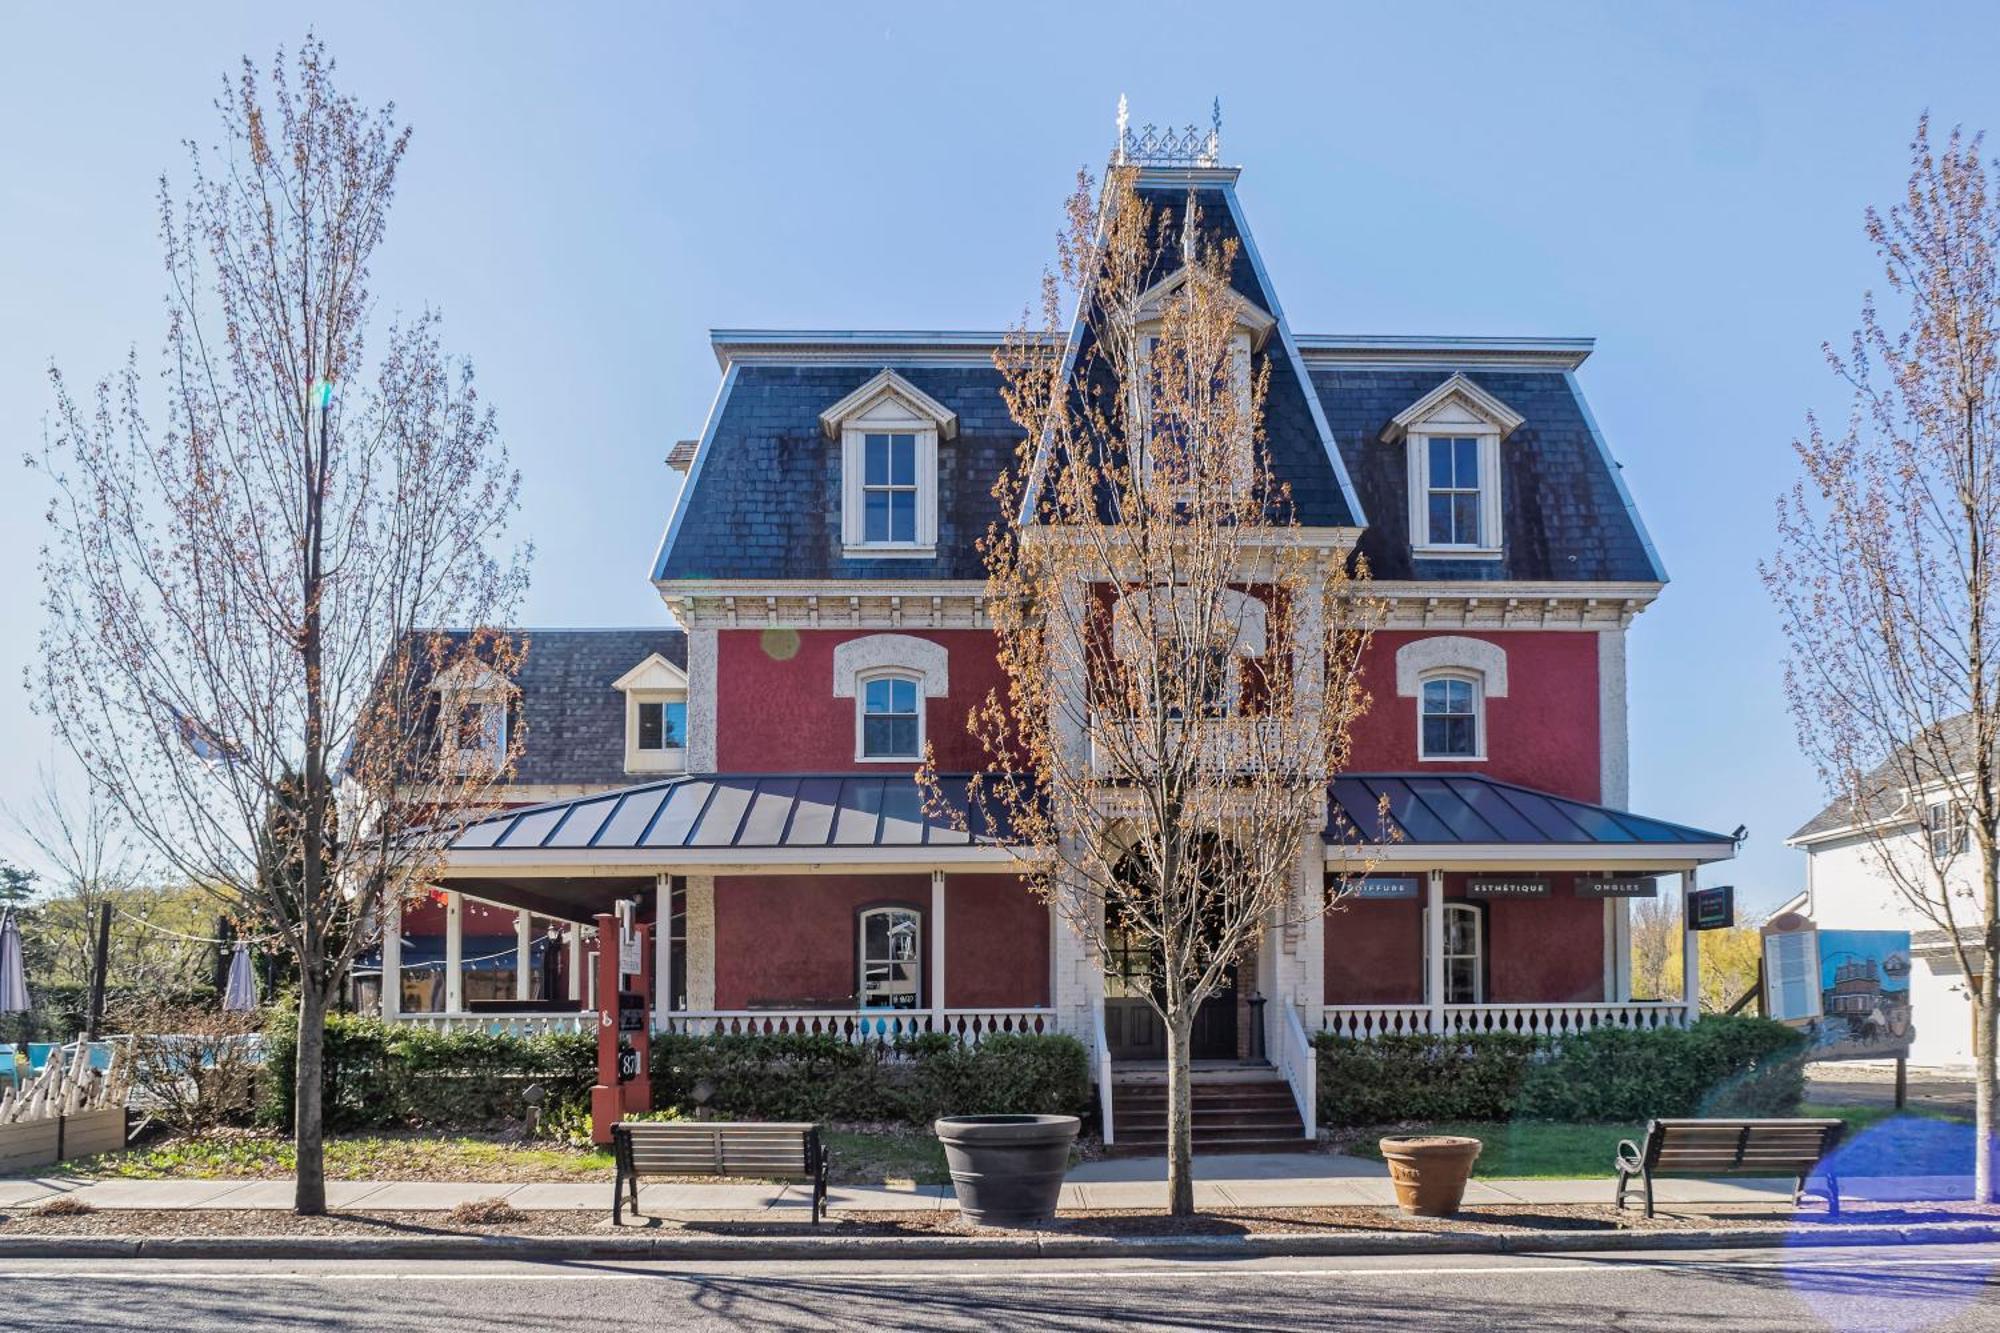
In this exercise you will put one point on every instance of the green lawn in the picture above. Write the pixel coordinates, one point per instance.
(860, 1156)
(1527, 1149)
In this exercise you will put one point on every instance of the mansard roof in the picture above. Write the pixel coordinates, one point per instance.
(762, 499)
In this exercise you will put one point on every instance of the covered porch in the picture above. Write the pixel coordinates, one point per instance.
(792, 905)
(1497, 908)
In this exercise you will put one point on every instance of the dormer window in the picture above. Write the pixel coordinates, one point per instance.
(472, 716)
(656, 717)
(888, 431)
(1453, 435)
(1253, 328)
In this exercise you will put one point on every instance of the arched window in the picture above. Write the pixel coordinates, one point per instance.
(1450, 721)
(892, 717)
(1464, 954)
(891, 950)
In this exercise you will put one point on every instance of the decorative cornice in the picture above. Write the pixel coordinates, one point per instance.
(1418, 350)
(1413, 604)
(957, 347)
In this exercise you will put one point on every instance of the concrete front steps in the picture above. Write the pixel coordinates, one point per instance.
(1236, 1109)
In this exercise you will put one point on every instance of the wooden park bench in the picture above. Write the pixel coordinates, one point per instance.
(716, 1148)
(1730, 1148)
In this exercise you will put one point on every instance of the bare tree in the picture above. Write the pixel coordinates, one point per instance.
(1181, 658)
(1885, 578)
(237, 602)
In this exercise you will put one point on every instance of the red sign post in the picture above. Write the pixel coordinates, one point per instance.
(624, 1031)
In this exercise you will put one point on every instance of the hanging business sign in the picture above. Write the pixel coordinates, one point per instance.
(1616, 886)
(629, 959)
(1389, 886)
(1507, 886)
(1712, 909)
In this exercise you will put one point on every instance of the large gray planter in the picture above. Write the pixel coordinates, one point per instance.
(1007, 1169)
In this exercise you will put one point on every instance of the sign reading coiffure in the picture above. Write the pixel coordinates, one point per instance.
(1388, 886)
(1507, 886)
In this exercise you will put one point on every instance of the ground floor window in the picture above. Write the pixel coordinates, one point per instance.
(1464, 954)
(891, 948)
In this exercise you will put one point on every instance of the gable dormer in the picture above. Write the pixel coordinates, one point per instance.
(1452, 437)
(656, 722)
(888, 431)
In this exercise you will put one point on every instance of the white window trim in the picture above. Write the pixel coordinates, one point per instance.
(888, 405)
(1243, 448)
(1455, 409)
(861, 953)
(1478, 949)
(464, 686)
(655, 680)
(861, 683)
(1474, 679)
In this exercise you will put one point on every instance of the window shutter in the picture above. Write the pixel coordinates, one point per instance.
(1791, 975)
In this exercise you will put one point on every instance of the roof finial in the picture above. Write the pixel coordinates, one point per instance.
(1168, 146)
(1123, 118)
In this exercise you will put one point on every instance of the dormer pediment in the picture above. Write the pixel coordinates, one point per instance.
(1456, 402)
(889, 401)
(655, 673)
(1251, 317)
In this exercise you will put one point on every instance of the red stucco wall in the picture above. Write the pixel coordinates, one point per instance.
(1544, 734)
(776, 711)
(1547, 950)
(789, 940)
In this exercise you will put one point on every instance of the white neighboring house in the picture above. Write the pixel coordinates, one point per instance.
(1848, 889)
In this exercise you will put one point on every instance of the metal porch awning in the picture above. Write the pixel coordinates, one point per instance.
(1464, 819)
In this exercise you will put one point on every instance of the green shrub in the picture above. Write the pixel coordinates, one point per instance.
(391, 1075)
(1720, 1066)
(826, 1078)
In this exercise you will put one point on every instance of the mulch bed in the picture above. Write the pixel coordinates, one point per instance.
(1495, 1220)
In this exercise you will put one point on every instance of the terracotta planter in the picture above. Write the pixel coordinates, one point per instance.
(1430, 1171)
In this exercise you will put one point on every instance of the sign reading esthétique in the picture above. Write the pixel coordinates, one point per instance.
(1388, 886)
(1616, 886)
(1507, 886)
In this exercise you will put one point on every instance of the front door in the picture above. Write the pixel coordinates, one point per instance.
(1132, 1028)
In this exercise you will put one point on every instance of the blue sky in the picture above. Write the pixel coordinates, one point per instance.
(591, 189)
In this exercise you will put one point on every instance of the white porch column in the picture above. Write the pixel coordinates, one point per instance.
(663, 948)
(1621, 955)
(576, 960)
(1434, 949)
(392, 955)
(1690, 949)
(937, 951)
(454, 952)
(524, 951)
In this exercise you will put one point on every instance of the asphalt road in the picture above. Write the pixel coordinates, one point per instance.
(1932, 1288)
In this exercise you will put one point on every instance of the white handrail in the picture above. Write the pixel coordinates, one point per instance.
(859, 1026)
(1103, 1076)
(1301, 1070)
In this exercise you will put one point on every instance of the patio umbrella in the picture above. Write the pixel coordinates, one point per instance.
(241, 994)
(13, 973)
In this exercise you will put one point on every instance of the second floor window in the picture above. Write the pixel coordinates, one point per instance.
(662, 725)
(1453, 491)
(1450, 718)
(889, 488)
(890, 724)
(1945, 826)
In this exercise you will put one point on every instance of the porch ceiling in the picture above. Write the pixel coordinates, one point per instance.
(1457, 818)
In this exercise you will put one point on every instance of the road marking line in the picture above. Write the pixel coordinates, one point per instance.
(1607, 1267)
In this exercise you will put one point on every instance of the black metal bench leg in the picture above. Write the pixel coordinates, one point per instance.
(617, 1194)
(1648, 1177)
(1618, 1200)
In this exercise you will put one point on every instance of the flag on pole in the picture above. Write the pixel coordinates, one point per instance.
(13, 971)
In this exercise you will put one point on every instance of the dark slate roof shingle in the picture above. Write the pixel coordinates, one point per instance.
(574, 720)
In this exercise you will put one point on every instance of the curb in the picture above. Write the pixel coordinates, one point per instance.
(1041, 1246)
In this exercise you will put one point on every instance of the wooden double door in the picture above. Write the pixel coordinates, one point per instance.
(1134, 1031)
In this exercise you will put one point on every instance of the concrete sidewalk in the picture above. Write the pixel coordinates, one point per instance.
(1222, 1182)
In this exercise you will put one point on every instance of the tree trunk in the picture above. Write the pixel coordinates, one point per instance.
(1986, 1088)
(308, 1114)
(1180, 1114)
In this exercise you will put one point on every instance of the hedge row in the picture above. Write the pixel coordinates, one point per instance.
(385, 1075)
(1720, 1066)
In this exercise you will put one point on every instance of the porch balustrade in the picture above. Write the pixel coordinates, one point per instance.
(970, 1026)
(507, 1025)
(1367, 1022)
